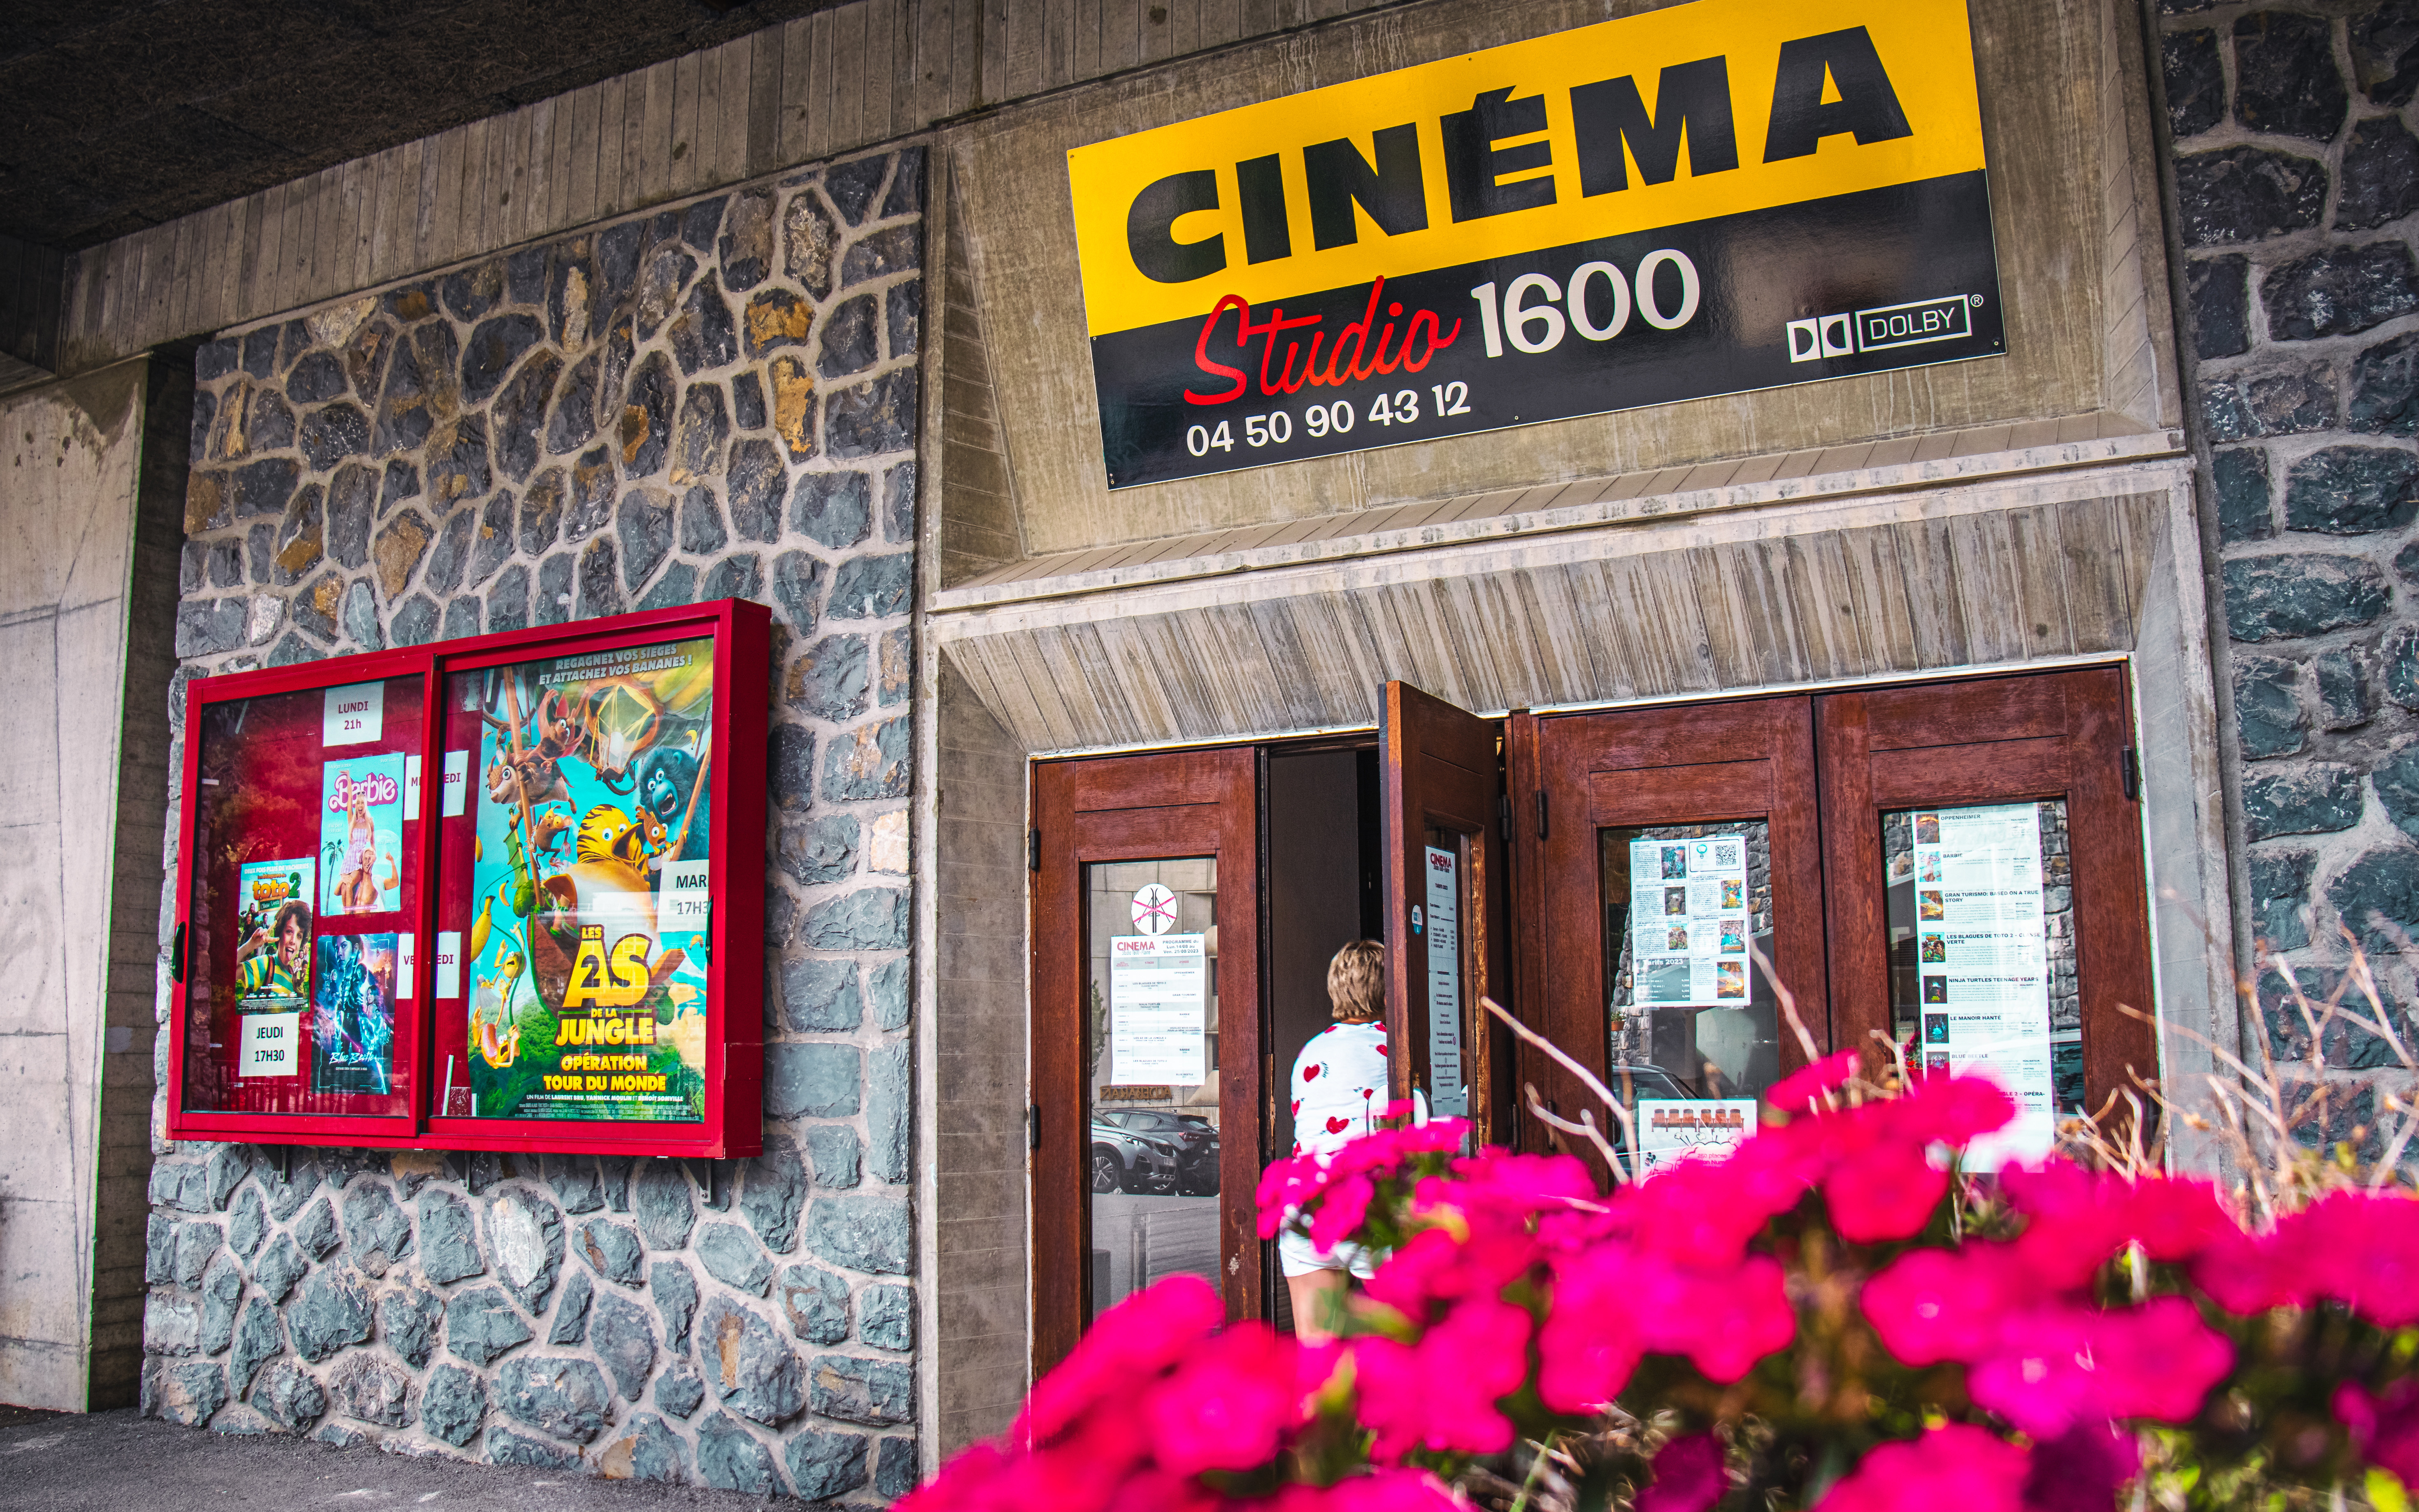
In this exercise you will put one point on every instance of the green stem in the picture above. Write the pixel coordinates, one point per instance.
(1536, 1469)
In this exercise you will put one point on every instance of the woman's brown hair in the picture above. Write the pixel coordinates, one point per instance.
(1356, 982)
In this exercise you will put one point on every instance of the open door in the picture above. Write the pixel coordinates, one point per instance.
(1445, 906)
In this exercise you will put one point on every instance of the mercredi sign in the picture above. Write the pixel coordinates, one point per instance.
(1711, 198)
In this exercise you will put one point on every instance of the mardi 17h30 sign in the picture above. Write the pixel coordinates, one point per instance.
(1716, 197)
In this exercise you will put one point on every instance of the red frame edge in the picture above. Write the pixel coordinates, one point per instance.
(734, 1124)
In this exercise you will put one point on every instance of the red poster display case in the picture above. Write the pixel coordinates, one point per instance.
(498, 893)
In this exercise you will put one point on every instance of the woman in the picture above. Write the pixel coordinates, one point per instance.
(1340, 1090)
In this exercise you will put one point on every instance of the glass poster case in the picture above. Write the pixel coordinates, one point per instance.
(585, 805)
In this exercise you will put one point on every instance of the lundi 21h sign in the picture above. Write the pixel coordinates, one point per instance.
(1710, 199)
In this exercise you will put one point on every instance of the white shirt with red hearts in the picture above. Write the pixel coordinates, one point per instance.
(1339, 1087)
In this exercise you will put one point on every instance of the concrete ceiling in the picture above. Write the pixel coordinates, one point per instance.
(116, 115)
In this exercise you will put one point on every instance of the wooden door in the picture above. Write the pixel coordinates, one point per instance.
(1100, 823)
(1587, 792)
(1440, 803)
(2059, 740)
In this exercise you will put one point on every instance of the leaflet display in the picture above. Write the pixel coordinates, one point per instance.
(1688, 921)
(1159, 993)
(1982, 965)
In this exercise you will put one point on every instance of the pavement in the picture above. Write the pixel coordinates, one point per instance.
(118, 1461)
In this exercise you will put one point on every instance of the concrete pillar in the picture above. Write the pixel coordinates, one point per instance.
(88, 605)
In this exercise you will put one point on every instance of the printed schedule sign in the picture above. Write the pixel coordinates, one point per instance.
(1982, 965)
(1159, 991)
(1708, 198)
(1688, 922)
(1449, 1096)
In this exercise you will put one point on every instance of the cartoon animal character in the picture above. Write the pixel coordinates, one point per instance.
(552, 826)
(499, 1033)
(665, 779)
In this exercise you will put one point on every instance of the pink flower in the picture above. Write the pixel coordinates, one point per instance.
(1887, 1193)
(1438, 1265)
(2080, 1218)
(2358, 1248)
(1953, 1466)
(1800, 1089)
(1931, 1305)
(1127, 1345)
(1230, 1404)
(1590, 1344)
(2082, 1471)
(1613, 1302)
(1347, 1203)
(1688, 1476)
(2384, 1429)
(2059, 1365)
(2364, 1250)
(1950, 1110)
(1440, 1393)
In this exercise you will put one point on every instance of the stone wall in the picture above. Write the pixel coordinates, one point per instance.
(2297, 181)
(717, 398)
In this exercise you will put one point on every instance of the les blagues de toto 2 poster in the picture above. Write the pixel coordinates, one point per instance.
(1710, 199)
(588, 938)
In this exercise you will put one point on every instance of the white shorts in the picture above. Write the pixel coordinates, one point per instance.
(1298, 1255)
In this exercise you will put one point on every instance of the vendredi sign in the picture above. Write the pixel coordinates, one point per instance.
(1710, 199)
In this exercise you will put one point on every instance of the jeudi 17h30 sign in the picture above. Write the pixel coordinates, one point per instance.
(1710, 199)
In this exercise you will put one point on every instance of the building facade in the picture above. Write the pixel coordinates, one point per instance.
(802, 319)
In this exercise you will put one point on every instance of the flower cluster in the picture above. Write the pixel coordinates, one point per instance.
(1827, 1294)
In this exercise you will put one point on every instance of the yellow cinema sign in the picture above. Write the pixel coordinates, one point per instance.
(1682, 114)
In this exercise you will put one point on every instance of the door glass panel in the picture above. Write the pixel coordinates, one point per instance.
(1983, 974)
(1152, 1049)
(1695, 1028)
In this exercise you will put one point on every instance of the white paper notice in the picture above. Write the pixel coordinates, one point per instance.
(353, 715)
(1671, 1130)
(448, 963)
(1688, 922)
(1984, 965)
(1159, 994)
(685, 901)
(411, 786)
(272, 1044)
(406, 962)
(1447, 1096)
(457, 783)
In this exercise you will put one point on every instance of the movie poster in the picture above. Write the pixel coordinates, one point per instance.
(273, 934)
(352, 1014)
(360, 835)
(589, 936)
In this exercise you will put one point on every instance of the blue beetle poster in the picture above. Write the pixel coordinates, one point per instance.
(588, 942)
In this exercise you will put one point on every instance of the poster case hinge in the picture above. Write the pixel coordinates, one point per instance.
(1032, 850)
(1542, 825)
(1504, 816)
(1033, 1126)
(2132, 768)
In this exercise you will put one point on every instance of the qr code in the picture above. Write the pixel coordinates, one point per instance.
(1727, 855)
